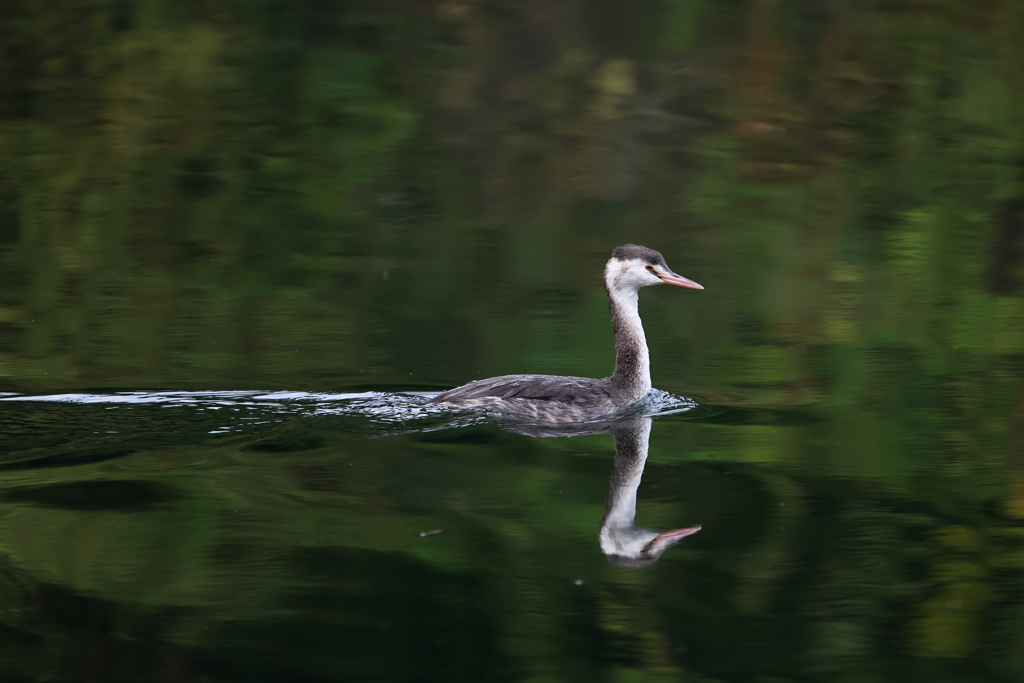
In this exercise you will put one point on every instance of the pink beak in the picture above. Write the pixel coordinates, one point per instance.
(678, 280)
(670, 536)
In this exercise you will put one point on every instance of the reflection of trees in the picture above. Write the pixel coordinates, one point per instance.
(185, 186)
(213, 194)
(204, 195)
(221, 551)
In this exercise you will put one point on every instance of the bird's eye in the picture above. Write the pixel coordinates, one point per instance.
(650, 268)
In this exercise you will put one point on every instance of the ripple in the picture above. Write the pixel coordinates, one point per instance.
(385, 412)
(239, 410)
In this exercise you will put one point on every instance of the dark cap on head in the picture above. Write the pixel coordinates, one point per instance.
(628, 252)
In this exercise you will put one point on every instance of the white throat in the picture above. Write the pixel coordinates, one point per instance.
(631, 333)
(623, 279)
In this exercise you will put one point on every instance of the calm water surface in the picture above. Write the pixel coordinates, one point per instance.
(242, 240)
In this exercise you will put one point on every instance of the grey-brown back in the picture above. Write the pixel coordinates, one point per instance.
(569, 390)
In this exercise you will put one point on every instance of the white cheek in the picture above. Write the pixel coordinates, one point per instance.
(620, 276)
(632, 275)
(629, 279)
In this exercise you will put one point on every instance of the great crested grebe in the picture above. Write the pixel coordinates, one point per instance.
(552, 398)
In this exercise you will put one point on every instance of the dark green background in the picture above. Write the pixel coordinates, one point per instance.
(318, 195)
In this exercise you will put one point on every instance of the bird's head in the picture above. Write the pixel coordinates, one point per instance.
(632, 267)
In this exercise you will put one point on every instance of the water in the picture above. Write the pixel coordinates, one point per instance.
(242, 535)
(288, 534)
(241, 241)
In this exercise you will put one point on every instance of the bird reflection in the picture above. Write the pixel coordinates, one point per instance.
(622, 541)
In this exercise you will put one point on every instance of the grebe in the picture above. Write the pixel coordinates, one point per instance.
(551, 398)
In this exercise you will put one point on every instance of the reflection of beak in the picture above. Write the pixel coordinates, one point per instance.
(678, 280)
(670, 536)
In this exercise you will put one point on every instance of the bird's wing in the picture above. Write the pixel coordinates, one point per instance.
(536, 387)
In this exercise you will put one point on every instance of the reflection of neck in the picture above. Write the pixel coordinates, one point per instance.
(632, 362)
(631, 442)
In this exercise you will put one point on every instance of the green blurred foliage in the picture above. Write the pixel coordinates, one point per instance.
(332, 195)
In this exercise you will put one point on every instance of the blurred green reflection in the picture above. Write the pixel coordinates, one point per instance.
(344, 195)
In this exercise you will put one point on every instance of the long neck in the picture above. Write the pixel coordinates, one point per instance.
(632, 362)
(631, 442)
